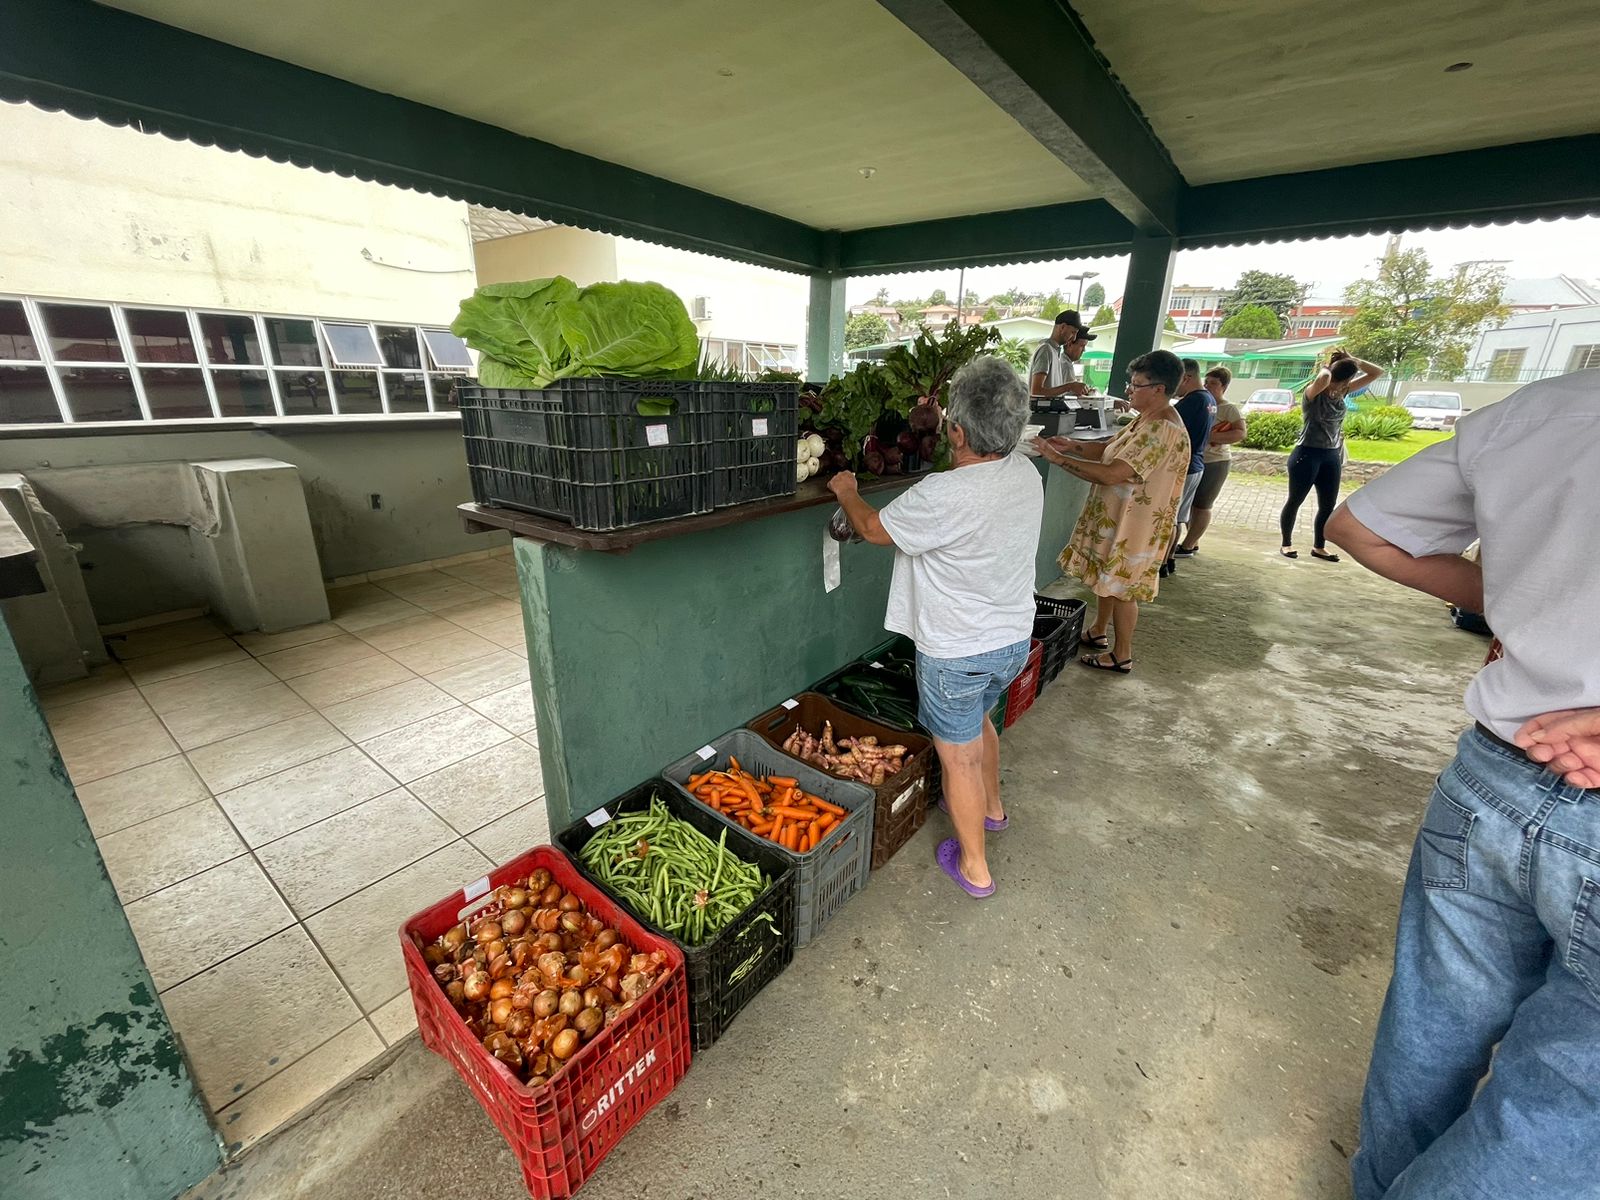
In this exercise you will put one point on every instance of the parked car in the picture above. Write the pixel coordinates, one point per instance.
(1269, 400)
(1434, 410)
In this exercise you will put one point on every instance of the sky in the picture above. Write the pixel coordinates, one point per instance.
(1533, 249)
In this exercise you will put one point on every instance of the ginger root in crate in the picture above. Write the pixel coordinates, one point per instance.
(861, 759)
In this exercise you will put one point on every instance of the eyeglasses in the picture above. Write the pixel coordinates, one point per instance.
(1134, 387)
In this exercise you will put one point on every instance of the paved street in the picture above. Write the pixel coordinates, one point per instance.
(1252, 502)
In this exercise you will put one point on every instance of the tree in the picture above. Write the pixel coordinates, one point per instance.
(1280, 293)
(1094, 296)
(865, 329)
(1051, 305)
(909, 310)
(1016, 352)
(1252, 321)
(1106, 316)
(1407, 321)
(1170, 325)
(882, 298)
(971, 300)
(991, 313)
(938, 297)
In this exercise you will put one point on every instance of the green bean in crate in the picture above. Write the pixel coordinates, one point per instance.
(672, 874)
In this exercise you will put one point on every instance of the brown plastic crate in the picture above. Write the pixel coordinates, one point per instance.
(901, 805)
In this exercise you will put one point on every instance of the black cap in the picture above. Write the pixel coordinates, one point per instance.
(1070, 317)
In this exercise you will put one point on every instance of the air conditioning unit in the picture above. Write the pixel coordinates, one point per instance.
(700, 308)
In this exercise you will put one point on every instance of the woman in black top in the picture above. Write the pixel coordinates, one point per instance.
(1318, 458)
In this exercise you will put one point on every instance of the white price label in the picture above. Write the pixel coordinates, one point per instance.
(905, 797)
(473, 890)
(656, 435)
(758, 427)
(878, 665)
(791, 704)
(598, 818)
(706, 753)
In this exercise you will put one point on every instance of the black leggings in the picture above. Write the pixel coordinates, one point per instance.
(1311, 466)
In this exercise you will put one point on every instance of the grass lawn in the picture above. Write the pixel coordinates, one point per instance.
(1396, 451)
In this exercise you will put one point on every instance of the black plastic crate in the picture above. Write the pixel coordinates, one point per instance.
(1051, 633)
(826, 877)
(590, 451)
(1071, 611)
(754, 428)
(726, 972)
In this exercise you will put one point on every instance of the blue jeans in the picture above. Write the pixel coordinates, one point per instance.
(954, 695)
(1498, 945)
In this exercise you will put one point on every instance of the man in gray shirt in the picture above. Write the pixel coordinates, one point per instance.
(1497, 954)
(1053, 371)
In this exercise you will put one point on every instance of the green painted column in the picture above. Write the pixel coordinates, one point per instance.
(825, 327)
(95, 1098)
(1144, 303)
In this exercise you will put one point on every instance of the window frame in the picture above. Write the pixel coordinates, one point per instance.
(1492, 372)
(1588, 352)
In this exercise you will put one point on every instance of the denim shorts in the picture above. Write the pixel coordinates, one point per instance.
(955, 694)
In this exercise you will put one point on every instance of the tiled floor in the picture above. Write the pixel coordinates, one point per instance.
(271, 807)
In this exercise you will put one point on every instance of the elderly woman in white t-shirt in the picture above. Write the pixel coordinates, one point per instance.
(962, 590)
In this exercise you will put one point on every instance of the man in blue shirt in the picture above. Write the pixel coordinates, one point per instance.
(1198, 409)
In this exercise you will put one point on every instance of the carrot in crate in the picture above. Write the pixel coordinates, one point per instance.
(774, 807)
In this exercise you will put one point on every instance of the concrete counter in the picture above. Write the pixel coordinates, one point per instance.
(638, 657)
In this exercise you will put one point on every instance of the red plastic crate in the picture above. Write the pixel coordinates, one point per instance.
(1024, 689)
(561, 1131)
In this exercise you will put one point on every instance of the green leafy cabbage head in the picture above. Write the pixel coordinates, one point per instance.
(530, 333)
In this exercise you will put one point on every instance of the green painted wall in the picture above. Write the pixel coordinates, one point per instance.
(639, 658)
(1063, 500)
(95, 1099)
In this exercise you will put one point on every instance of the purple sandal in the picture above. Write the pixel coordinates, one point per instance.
(949, 858)
(989, 823)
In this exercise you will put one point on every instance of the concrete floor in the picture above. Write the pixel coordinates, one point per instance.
(1172, 995)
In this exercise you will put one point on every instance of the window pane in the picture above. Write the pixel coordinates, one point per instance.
(100, 393)
(80, 333)
(294, 343)
(16, 339)
(443, 401)
(358, 391)
(175, 393)
(446, 349)
(407, 392)
(399, 346)
(230, 339)
(25, 396)
(351, 345)
(160, 336)
(244, 393)
(305, 393)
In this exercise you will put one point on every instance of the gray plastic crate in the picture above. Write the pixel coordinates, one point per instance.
(837, 869)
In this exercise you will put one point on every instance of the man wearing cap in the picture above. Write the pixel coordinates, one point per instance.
(1054, 370)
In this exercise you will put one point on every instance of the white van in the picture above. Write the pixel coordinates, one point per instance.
(1434, 410)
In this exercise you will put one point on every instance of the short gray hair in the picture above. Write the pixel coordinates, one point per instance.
(989, 402)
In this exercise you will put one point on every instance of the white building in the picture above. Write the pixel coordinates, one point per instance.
(1536, 345)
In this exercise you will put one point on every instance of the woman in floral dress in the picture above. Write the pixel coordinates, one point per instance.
(1131, 514)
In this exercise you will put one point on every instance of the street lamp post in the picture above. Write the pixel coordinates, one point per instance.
(1081, 277)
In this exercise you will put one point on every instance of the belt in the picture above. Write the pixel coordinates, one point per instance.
(1512, 747)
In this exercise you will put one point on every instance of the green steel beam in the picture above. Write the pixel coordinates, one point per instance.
(1144, 304)
(1089, 227)
(1037, 62)
(110, 65)
(1555, 178)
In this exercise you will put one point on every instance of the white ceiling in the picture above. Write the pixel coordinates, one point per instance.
(1240, 88)
(817, 91)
